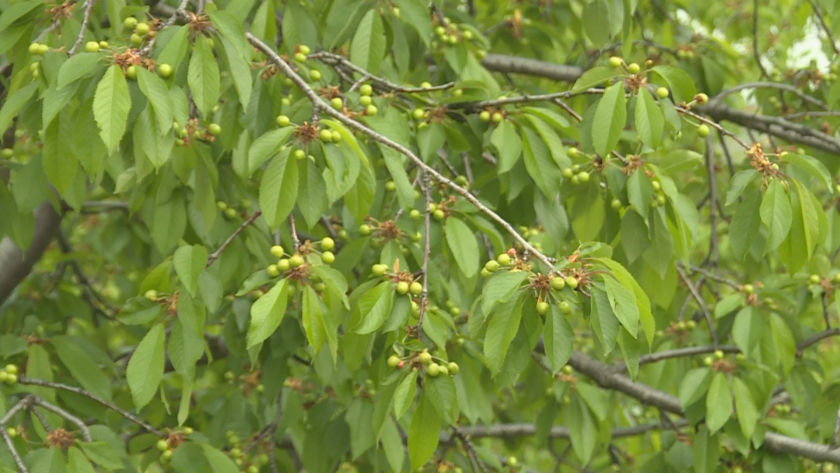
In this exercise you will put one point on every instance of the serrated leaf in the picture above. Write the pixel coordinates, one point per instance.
(77, 66)
(500, 287)
(558, 338)
(203, 77)
(373, 308)
(278, 189)
(267, 313)
(82, 366)
(462, 244)
(145, 368)
(609, 120)
(810, 165)
(744, 407)
(267, 146)
(423, 433)
(679, 160)
(738, 183)
(14, 103)
(718, 403)
(111, 104)
(368, 46)
(593, 77)
(509, 145)
(504, 323)
(775, 214)
(649, 120)
(748, 329)
(745, 224)
(681, 85)
(189, 262)
(404, 395)
(155, 89)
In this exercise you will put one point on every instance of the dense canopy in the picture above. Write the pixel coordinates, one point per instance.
(411, 235)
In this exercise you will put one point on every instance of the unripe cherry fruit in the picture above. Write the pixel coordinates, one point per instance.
(393, 361)
(364, 229)
(615, 61)
(497, 117)
(558, 283)
(366, 89)
(300, 57)
(402, 287)
(371, 110)
(615, 204)
(662, 93)
(633, 68)
(425, 357)
(214, 129)
(277, 251)
(379, 269)
(453, 368)
(162, 445)
(131, 72)
(273, 270)
(571, 282)
(91, 46)
(295, 261)
(142, 29)
(328, 257)
(418, 114)
(484, 116)
(337, 103)
(327, 243)
(11, 369)
(503, 259)
(165, 70)
(542, 307)
(565, 307)
(701, 98)
(315, 74)
(702, 131)
(415, 288)
(129, 23)
(433, 370)
(365, 100)
(492, 266)
(325, 135)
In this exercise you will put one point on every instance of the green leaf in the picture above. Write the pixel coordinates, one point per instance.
(680, 83)
(784, 341)
(649, 120)
(424, 433)
(745, 224)
(77, 462)
(558, 338)
(500, 287)
(738, 183)
(368, 46)
(78, 66)
(462, 243)
(812, 166)
(203, 77)
(232, 32)
(680, 160)
(278, 189)
(145, 368)
(504, 323)
(59, 160)
(604, 322)
(797, 248)
(583, 430)
(744, 407)
(748, 329)
(267, 313)
(14, 103)
(610, 117)
(189, 262)
(240, 72)
(267, 146)
(176, 48)
(313, 319)
(706, 451)
(416, 14)
(219, 462)
(694, 385)
(441, 392)
(508, 144)
(82, 366)
(154, 88)
(642, 301)
(373, 308)
(718, 403)
(186, 341)
(775, 214)
(594, 77)
(103, 454)
(404, 395)
(111, 104)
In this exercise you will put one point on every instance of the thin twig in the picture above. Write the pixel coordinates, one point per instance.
(89, 8)
(772, 85)
(295, 239)
(93, 397)
(43, 420)
(700, 302)
(331, 58)
(808, 342)
(427, 223)
(317, 101)
(213, 257)
(66, 415)
(180, 11)
(20, 406)
(833, 47)
(825, 311)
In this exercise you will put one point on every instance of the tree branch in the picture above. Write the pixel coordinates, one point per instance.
(17, 264)
(213, 257)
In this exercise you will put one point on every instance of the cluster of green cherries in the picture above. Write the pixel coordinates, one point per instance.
(9, 374)
(239, 457)
(435, 366)
(285, 263)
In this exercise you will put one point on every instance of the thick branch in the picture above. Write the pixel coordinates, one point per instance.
(525, 430)
(609, 379)
(15, 265)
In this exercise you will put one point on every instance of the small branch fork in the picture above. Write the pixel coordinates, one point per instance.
(215, 255)
(427, 192)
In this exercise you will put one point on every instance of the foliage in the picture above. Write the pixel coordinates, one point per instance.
(318, 235)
